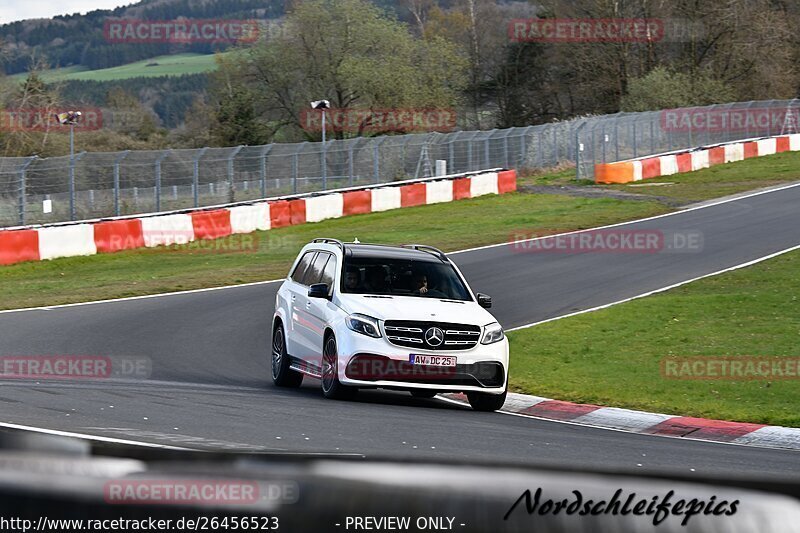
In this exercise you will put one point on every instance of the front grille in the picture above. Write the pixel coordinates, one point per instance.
(412, 334)
(369, 367)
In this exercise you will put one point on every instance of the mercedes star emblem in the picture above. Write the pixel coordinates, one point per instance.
(434, 336)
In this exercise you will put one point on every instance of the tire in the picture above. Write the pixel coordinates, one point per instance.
(331, 387)
(422, 393)
(481, 401)
(282, 375)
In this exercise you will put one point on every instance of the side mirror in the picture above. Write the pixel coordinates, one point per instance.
(484, 300)
(318, 290)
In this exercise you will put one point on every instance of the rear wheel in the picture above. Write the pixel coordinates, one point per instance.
(481, 401)
(282, 375)
(331, 387)
(422, 393)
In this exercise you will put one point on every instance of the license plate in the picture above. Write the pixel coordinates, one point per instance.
(432, 360)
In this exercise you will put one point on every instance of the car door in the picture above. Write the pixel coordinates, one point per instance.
(320, 310)
(298, 295)
(309, 330)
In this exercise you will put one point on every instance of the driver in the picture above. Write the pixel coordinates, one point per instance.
(420, 283)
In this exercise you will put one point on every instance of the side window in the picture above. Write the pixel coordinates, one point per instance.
(302, 266)
(329, 273)
(314, 272)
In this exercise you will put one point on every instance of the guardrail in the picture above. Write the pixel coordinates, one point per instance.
(125, 233)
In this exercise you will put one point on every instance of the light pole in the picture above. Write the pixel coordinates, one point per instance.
(71, 118)
(323, 105)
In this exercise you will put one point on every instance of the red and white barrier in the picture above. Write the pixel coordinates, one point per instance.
(691, 160)
(66, 241)
(108, 236)
(250, 218)
(320, 208)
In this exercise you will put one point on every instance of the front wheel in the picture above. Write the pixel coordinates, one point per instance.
(282, 375)
(481, 401)
(331, 387)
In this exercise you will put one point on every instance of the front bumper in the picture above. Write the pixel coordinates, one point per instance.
(370, 362)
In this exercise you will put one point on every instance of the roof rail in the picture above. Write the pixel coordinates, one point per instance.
(325, 240)
(430, 249)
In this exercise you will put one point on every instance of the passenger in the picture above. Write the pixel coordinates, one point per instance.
(376, 280)
(351, 280)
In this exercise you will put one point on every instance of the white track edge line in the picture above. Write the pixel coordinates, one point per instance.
(636, 221)
(142, 297)
(87, 436)
(662, 289)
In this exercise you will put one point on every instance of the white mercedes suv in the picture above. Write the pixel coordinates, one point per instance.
(399, 317)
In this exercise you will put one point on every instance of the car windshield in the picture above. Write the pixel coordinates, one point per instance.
(403, 277)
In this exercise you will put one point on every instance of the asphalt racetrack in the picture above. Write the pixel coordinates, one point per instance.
(210, 386)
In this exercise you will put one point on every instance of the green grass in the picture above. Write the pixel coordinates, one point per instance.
(723, 180)
(713, 182)
(611, 357)
(171, 65)
(451, 226)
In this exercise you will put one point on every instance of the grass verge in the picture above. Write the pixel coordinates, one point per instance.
(268, 255)
(713, 182)
(612, 357)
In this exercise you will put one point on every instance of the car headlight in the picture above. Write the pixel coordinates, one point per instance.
(366, 325)
(492, 333)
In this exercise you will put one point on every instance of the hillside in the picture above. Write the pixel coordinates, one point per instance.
(79, 41)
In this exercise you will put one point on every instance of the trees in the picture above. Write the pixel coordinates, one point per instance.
(665, 89)
(348, 52)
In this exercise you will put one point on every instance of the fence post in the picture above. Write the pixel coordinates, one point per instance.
(451, 152)
(578, 151)
(263, 170)
(296, 166)
(555, 145)
(72, 187)
(486, 154)
(351, 146)
(117, 162)
(196, 176)
(159, 159)
(376, 163)
(231, 182)
(22, 187)
(505, 149)
(652, 137)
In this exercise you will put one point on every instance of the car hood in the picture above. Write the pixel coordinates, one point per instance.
(415, 308)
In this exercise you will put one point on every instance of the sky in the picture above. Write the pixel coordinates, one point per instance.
(11, 10)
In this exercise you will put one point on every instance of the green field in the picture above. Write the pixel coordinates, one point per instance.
(451, 226)
(613, 356)
(172, 65)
